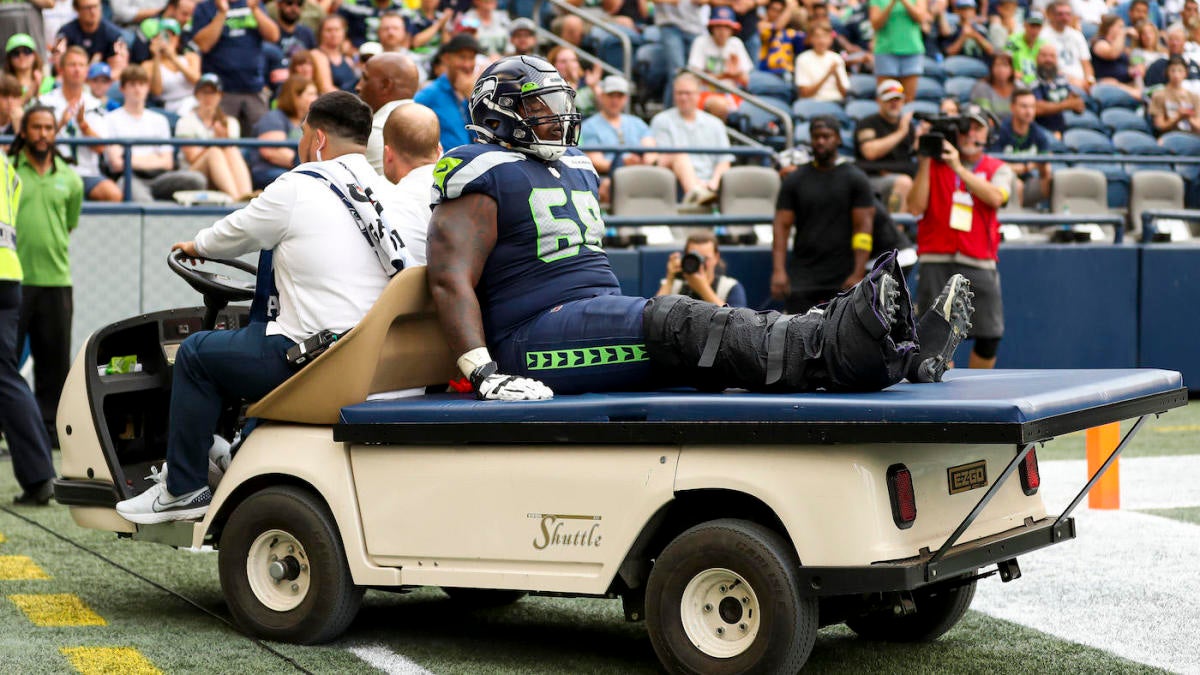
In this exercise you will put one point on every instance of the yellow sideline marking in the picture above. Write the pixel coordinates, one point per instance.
(16, 567)
(62, 609)
(1176, 428)
(105, 660)
(2, 539)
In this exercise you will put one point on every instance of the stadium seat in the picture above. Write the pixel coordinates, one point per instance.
(931, 68)
(929, 89)
(643, 191)
(1088, 142)
(749, 190)
(1084, 120)
(923, 107)
(960, 88)
(1123, 119)
(1153, 190)
(1078, 191)
(805, 109)
(769, 84)
(761, 123)
(862, 86)
(803, 135)
(1137, 143)
(856, 110)
(965, 66)
(1186, 145)
(1111, 96)
(1117, 182)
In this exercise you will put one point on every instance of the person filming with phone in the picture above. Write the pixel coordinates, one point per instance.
(957, 191)
(697, 273)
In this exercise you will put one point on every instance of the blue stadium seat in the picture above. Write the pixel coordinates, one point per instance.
(802, 135)
(1132, 142)
(1088, 141)
(1122, 119)
(1084, 120)
(806, 109)
(856, 110)
(1118, 182)
(769, 84)
(1185, 145)
(929, 89)
(960, 87)
(931, 68)
(925, 107)
(862, 86)
(965, 66)
(1111, 96)
(759, 122)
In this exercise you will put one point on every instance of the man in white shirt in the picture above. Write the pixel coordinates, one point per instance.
(1074, 56)
(327, 274)
(154, 176)
(412, 146)
(388, 80)
(686, 126)
(79, 115)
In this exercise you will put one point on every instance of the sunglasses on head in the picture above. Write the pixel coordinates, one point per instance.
(22, 51)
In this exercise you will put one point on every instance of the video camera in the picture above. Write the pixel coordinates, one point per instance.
(942, 128)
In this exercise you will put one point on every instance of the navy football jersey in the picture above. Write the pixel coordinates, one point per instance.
(548, 231)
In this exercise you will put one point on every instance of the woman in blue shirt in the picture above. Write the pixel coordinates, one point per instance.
(283, 123)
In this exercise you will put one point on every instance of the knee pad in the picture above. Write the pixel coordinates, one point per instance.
(986, 348)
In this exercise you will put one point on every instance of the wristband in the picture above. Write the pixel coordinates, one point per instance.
(470, 361)
(862, 242)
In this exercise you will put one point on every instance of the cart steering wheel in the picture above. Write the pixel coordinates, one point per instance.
(218, 290)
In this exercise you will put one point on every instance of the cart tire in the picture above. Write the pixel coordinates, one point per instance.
(316, 599)
(723, 598)
(938, 608)
(483, 598)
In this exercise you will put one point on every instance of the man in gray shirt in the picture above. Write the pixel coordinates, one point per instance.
(687, 126)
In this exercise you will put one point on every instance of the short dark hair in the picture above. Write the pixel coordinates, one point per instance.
(341, 114)
(1139, 2)
(134, 73)
(10, 86)
(1018, 92)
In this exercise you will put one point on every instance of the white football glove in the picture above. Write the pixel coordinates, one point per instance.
(491, 385)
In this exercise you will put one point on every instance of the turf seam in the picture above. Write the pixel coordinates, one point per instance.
(160, 587)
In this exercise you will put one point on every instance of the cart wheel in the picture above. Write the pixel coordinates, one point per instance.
(938, 608)
(283, 569)
(483, 598)
(723, 598)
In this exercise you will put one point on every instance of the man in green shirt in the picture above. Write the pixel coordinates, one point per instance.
(51, 197)
(1024, 48)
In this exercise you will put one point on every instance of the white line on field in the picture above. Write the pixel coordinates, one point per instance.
(388, 661)
(1146, 482)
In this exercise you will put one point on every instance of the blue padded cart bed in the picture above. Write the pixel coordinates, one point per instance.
(999, 406)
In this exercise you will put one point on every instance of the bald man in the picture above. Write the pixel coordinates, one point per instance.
(411, 148)
(388, 80)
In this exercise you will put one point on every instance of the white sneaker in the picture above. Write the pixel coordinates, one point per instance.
(219, 457)
(156, 505)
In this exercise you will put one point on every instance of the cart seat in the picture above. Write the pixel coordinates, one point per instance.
(399, 344)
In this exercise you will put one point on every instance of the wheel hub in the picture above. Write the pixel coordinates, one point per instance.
(277, 570)
(720, 613)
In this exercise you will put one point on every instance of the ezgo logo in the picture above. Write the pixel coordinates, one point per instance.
(566, 531)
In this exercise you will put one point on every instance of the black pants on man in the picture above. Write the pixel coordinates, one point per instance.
(18, 413)
(46, 319)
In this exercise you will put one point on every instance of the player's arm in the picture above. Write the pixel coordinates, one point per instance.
(462, 234)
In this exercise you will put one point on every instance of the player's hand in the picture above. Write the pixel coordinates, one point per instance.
(906, 120)
(189, 249)
(674, 265)
(491, 385)
(950, 155)
(781, 285)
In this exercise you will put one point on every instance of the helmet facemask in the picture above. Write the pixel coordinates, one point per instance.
(549, 123)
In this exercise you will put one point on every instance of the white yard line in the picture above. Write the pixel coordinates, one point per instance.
(1128, 584)
(388, 661)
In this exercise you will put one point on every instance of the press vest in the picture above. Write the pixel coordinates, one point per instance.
(934, 234)
(10, 199)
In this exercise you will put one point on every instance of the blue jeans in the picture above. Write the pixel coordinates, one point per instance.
(676, 46)
(608, 46)
(19, 417)
(210, 368)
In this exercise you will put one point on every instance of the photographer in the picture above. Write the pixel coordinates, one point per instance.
(958, 193)
(696, 273)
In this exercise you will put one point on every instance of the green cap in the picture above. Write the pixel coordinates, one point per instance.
(20, 40)
(150, 27)
(171, 25)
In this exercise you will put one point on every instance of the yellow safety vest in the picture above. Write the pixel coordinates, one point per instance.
(10, 201)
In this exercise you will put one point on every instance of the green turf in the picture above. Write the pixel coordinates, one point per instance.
(1187, 514)
(1177, 432)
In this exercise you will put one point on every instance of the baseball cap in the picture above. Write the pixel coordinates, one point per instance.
(98, 70)
(208, 80)
(888, 90)
(976, 114)
(724, 16)
(369, 48)
(614, 84)
(171, 25)
(20, 40)
(1035, 17)
(522, 23)
(964, 4)
(462, 42)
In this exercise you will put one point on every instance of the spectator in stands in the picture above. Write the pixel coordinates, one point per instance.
(613, 127)
(232, 49)
(1025, 46)
(79, 114)
(628, 16)
(1134, 12)
(721, 54)
(301, 64)
(428, 27)
(1089, 12)
(311, 12)
(709, 282)
(51, 199)
(522, 37)
(820, 73)
(98, 36)
(679, 23)
(899, 45)
(831, 206)
(283, 123)
(995, 91)
(566, 61)
(1054, 93)
(1004, 23)
(130, 13)
(154, 174)
(174, 70)
(949, 106)
(23, 62)
(334, 68)
(959, 194)
(1147, 47)
(389, 80)
(362, 18)
(223, 166)
(492, 32)
(1074, 57)
(885, 146)
(1021, 135)
(179, 10)
(570, 28)
(1189, 19)
(12, 108)
(687, 126)
(293, 35)
(448, 94)
(1173, 108)
(781, 43)
(393, 34)
(969, 36)
(99, 82)
(1156, 73)
(856, 37)
(1110, 57)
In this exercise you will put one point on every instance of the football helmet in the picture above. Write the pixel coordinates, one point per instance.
(522, 102)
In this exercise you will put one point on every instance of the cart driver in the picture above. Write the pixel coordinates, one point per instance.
(527, 297)
(328, 276)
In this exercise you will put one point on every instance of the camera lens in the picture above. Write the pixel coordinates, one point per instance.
(691, 263)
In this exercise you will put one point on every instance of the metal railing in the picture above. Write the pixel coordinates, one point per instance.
(785, 116)
(598, 22)
(1150, 216)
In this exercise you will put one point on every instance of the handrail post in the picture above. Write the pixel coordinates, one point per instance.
(127, 190)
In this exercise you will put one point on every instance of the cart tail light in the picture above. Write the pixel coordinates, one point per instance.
(1031, 480)
(904, 499)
